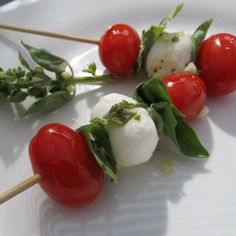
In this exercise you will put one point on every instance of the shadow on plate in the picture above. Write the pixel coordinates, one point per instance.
(223, 112)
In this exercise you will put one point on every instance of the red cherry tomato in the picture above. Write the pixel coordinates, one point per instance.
(216, 61)
(119, 48)
(187, 92)
(71, 175)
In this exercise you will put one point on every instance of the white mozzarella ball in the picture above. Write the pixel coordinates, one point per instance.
(170, 53)
(134, 142)
(106, 102)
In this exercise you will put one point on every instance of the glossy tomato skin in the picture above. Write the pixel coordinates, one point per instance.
(187, 91)
(71, 175)
(119, 48)
(216, 61)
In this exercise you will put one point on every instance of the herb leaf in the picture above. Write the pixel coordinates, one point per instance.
(100, 146)
(158, 121)
(91, 69)
(47, 60)
(41, 80)
(120, 113)
(17, 96)
(166, 20)
(198, 36)
(188, 141)
(23, 61)
(49, 103)
(153, 92)
(149, 37)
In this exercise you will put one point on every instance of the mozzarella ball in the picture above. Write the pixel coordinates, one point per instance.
(106, 102)
(170, 53)
(134, 142)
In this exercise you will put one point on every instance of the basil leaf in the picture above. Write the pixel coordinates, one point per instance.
(37, 92)
(100, 146)
(47, 60)
(120, 113)
(41, 80)
(188, 141)
(2, 95)
(198, 36)
(169, 121)
(153, 92)
(158, 121)
(137, 95)
(17, 96)
(149, 37)
(91, 69)
(166, 20)
(181, 133)
(17, 73)
(49, 103)
(23, 61)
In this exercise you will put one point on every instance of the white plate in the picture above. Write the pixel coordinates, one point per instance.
(198, 199)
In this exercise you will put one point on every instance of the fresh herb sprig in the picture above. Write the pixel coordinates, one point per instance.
(50, 91)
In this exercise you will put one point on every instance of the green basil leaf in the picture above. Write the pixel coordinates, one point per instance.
(2, 95)
(149, 37)
(153, 92)
(11, 80)
(49, 103)
(166, 20)
(17, 73)
(47, 60)
(91, 69)
(2, 85)
(120, 113)
(41, 80)
(100, 146)
(137, 94)
(188, 141)
(23, 61)
(17, 96)
(37, 92)
(169, 121)
(158, 121)
(181, 133)
(198, 36)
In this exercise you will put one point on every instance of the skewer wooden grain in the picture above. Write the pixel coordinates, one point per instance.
(27, 183)
(49, 34)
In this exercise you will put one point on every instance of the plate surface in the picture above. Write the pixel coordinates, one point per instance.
(199, 198)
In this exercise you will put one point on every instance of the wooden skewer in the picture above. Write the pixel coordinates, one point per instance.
(27, 183)
(49, 34)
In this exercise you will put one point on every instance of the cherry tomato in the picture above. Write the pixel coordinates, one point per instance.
(216, 61)
(187, 92)
(71, 175)
(119, 48)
